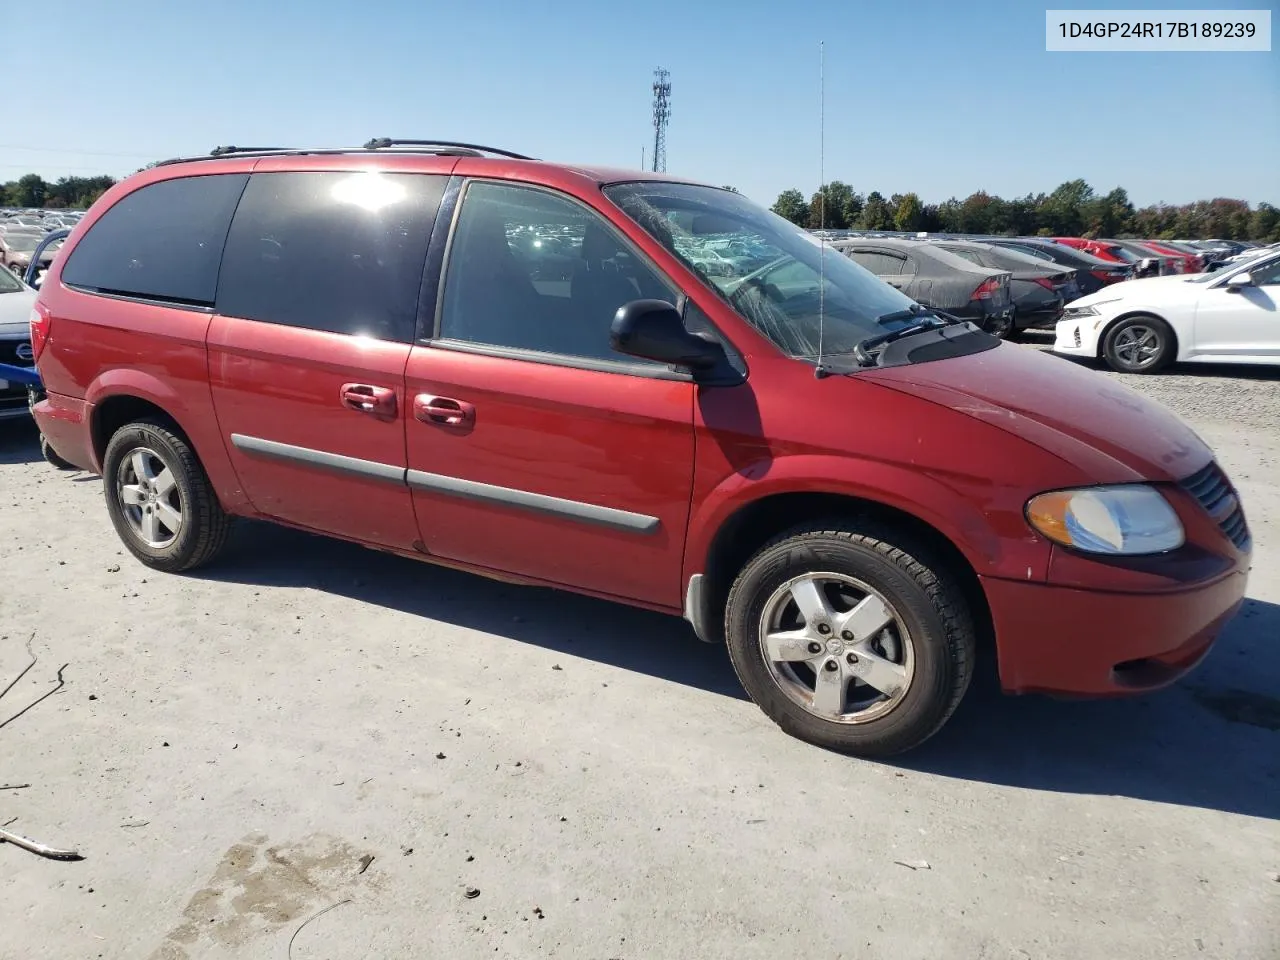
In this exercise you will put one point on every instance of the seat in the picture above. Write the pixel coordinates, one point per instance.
(491, 298)
(597, 289)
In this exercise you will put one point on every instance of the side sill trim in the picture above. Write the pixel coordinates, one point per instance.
(536, 502)
(352, 466)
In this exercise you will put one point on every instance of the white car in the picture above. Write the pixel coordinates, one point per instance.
(1141, 326)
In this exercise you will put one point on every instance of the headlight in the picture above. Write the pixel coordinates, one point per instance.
(1116, 521)
(1075, 313)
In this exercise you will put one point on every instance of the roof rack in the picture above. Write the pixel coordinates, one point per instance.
(436, 147)
(443, 146)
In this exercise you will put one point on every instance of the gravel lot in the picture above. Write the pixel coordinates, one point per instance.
(311, 724)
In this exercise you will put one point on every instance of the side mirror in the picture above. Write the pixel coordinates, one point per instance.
(654, 330)
(1239, 281)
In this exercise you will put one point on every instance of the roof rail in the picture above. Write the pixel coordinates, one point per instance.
(438, 147)
(228, 151)
(447, 146)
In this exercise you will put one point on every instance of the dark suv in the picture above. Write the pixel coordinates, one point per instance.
(641, 389)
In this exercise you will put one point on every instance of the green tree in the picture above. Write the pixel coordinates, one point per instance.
(876, 214)
(829, 206)
(909, 213)
(1264, 224)
(790, 205)
(30, 191)
(1108, 216)
(1061, 212)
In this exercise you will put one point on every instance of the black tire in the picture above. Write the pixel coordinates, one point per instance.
(204, 525)
(1139, 344)
(1002, 328)
(913, 583)
(51, 456)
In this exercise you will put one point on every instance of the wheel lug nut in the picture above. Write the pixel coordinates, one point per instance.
(824, 628)
(846, 635)
(830, 666)
(815, 648)
(852, 658)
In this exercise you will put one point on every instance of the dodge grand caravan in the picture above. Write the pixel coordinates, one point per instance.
(548, 374)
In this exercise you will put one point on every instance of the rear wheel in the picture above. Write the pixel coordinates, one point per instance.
(1139, 344)
(51, 456)
(160, 499)
(851, 637)
(1002, 327)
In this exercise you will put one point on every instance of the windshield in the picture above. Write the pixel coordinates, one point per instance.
(20, 242)
(9, 283)
(779, 278)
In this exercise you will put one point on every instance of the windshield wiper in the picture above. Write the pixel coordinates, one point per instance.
(863, 350)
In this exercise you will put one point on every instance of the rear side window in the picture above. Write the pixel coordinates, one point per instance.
(341, 252)
(162, 242)
(881, 264)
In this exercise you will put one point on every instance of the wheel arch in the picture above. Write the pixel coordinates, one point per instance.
(123, 395)
(1130, 314)
(754, 523)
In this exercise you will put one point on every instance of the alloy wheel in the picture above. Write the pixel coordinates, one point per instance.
(1137, 346)
(836, 647)
(149, 498)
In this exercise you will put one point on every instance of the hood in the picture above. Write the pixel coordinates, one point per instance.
(15, 313)
(1112, 433)
(1130, 288)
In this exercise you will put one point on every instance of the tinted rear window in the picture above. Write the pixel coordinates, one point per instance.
(342, 252)
(162, 242)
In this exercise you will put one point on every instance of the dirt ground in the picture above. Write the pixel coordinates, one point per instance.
(311, 725)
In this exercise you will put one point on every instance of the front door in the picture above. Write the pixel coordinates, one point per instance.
(316, 309)
(533, 448)
(1244, 323)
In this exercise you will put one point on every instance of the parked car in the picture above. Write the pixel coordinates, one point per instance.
(16, 302)
(847, 488)
(1143, 253)
(16, 250)
(938, 279)
(1146, 264)
(1192, 261)
(1144, 326)
(1092, 273)
(1039, 290)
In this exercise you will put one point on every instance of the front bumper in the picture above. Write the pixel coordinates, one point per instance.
(1077, 337)
(1075, 642)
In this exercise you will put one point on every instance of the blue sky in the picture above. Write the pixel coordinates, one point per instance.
(943, 98)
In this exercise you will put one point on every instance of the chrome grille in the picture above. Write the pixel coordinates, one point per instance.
(1214, 492)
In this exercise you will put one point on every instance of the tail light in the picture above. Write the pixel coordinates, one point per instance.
(40, 323)
(986, 290)
(1049, 284)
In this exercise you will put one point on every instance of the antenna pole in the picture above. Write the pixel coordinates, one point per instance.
(818, 371)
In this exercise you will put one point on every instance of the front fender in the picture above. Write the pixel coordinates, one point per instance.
(982, 519)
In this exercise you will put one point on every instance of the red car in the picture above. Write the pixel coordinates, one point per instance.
(529, 371)
(1102, 249)
(1188, 263)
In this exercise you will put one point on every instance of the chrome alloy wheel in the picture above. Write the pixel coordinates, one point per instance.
(149, 498)
(836, 647)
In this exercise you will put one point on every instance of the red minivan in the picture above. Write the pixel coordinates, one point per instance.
(637, 388)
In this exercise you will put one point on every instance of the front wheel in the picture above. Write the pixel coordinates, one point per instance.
(852, 637)
(160, 499)
(1139, 344)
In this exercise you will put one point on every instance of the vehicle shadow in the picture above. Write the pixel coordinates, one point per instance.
(637, 640)
(1202, 743)
(1235, 371)
(19, 442)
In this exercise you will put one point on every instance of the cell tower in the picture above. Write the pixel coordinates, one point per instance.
(661, 117)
